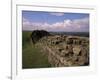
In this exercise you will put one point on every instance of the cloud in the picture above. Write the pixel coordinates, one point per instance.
(76, 25)
(57, 14)
(26, 22)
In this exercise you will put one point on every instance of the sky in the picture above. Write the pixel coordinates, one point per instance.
(55, 21)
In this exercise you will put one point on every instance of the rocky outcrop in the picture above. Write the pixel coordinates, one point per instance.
(65, 50)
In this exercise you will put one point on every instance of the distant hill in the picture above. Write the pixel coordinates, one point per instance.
(82, 34)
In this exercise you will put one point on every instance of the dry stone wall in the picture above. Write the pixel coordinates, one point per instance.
(65, 50)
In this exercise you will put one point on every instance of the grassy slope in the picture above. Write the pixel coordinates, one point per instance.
(32, 57)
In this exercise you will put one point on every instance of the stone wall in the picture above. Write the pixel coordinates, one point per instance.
(66, 50)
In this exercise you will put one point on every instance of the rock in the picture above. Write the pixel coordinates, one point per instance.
(76, 50)
(69, 41)
(82, 60)
(60, 49)
(64, 53)
(70, 48)
(66, 50)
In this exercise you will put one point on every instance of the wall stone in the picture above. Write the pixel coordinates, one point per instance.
(65, 51)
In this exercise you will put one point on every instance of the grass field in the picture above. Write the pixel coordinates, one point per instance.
(32, 57)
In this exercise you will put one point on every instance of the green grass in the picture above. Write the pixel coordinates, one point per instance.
(32, 57)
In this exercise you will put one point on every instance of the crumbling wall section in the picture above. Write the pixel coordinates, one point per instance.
(66, 50)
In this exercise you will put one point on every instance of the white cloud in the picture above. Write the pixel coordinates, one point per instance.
(66, 25)
(26, 22)
(57, 14)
